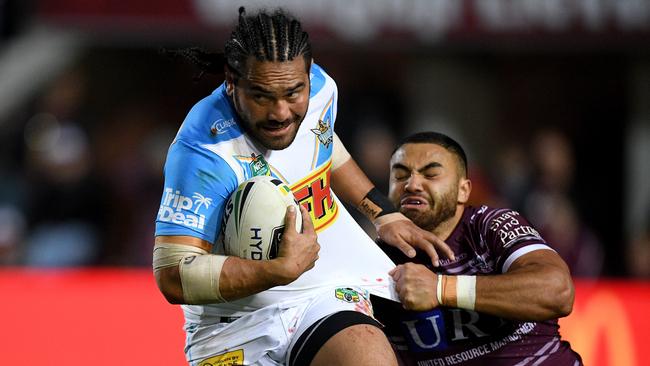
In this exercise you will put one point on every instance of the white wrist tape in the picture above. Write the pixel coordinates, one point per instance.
(457, 291)
(439, 289)
(340, 154)
(199, 271)
(466, 292)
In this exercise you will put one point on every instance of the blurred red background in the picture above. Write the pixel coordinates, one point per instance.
(117, 317)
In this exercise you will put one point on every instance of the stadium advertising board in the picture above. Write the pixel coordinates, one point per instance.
(118, 317)
(369, 20)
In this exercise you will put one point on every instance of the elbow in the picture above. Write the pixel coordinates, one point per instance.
(172, 296)
(566, 297)
(172, 299)
(170, 289)
(562, 295)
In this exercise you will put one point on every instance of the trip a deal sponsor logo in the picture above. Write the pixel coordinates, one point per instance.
(184, 210)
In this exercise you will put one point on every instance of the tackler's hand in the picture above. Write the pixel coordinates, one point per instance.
(416, 286)
(397, 230)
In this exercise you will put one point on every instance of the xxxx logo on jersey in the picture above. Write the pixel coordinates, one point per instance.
(314, 193)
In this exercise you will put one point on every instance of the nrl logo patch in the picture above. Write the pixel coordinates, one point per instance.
(259, 166)
(324, 133)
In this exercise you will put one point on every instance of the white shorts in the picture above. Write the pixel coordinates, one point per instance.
(266, 336)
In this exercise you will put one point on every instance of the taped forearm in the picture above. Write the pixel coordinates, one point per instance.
(200, 278)
(199, 271)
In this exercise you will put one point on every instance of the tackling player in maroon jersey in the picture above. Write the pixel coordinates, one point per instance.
(497, 302)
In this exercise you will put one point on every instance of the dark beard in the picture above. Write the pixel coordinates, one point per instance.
(442, 210)
(270, 144)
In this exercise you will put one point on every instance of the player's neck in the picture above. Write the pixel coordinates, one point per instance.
(444, 230)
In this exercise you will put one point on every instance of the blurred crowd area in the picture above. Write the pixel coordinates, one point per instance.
(558, 131)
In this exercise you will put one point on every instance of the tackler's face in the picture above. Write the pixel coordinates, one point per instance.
(424, 184)
(271, 99)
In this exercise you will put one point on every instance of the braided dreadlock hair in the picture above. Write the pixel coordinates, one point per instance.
(267, 37)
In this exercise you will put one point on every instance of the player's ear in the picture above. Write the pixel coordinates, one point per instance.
(464, 189)
(230, 82)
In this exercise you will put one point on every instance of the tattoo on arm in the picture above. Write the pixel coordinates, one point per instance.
(369, 208)
(375, 204)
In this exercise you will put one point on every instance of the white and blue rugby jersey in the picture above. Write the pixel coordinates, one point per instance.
(211, 155)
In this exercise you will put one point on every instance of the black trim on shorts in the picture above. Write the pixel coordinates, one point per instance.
(314, 337)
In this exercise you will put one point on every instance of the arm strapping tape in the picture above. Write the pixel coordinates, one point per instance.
(340, 154)
(169, 255)
(199, 271)
(457, 291)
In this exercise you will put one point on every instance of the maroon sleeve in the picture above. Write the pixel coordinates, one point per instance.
(505, 231)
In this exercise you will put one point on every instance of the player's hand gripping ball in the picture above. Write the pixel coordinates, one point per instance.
(254, 218)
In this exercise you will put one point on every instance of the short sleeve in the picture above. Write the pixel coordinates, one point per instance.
(197, 186)
(509, 236)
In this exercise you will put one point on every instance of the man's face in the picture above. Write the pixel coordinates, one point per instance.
(271, 100)
(424, 184)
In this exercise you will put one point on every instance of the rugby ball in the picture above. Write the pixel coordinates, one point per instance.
(253, 220)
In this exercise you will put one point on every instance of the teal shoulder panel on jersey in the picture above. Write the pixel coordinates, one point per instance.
(317, 79)
(324, 131)
(211, 120)
(197, 185)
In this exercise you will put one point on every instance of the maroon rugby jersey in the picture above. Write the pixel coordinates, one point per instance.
(486, 241)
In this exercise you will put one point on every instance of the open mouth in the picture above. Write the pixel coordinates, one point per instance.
(413, 202)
